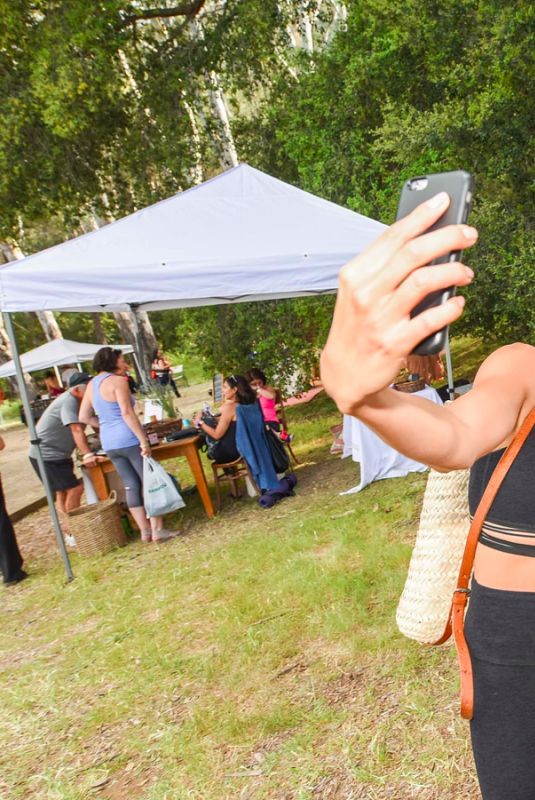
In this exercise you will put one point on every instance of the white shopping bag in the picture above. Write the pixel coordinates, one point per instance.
(160, 495)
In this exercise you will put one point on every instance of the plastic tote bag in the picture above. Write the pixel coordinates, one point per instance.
(160, 495)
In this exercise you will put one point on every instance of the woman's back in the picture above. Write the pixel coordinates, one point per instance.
(114, 432)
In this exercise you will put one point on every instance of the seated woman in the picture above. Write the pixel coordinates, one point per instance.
(235, 390)
(266, 397)
(161, 371)
(121, 435)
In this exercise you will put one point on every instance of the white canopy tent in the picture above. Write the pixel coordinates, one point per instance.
(56, 353)
(241, 236)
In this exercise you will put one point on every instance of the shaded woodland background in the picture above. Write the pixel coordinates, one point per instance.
(110, 106)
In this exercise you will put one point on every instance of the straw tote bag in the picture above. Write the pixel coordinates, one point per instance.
(432, 605)
(425, 604)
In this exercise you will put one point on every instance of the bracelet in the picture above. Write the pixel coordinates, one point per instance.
(87, 456)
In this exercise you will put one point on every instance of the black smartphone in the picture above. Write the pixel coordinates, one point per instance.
(459, 186)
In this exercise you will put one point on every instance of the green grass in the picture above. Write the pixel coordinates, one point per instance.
(256, 657)
(11, 411)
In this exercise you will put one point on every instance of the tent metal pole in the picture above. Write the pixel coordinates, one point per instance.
(449, 369)
(79, 366)
(58, 374)
(137, 366)
(35, 440)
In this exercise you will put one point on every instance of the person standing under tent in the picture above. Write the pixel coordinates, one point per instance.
(122, 435)
(10, 558)
(59, 432)
(162, 372)
(52, 385)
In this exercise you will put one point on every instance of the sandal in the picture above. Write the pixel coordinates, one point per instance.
(165, 536)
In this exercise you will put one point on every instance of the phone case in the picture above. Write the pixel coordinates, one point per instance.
(459, 186)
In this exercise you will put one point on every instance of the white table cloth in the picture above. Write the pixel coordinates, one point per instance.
(377, 459)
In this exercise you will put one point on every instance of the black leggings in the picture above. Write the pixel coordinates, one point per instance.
(500, 631)
(10, 557)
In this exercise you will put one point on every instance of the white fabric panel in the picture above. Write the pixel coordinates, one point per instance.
(56, 353)
(377, 459)
(241, 234)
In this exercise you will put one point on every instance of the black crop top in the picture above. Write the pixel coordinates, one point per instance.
(513, 509)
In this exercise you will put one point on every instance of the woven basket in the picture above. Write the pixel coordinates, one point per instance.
(425, 603)
(410, 386)
(97, 528)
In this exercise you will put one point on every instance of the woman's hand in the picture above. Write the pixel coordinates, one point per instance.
(372, 331)
(146, 450)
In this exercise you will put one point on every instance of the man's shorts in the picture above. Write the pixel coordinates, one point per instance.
(60, 474)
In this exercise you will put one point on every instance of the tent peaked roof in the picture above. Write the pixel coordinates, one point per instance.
(243, 235)
(56, 353)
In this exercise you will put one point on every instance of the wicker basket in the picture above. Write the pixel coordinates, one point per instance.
(425, 603)
(163, 428)
(97, 528)
(410, 386)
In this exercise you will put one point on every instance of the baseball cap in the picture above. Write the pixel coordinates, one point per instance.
(78, 378)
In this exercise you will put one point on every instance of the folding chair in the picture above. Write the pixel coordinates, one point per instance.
(231, 473)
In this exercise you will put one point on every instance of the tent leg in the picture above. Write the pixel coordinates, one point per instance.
(58, 374)
(449, 369)
(34, 439)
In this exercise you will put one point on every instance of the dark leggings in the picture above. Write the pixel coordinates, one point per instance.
(128, 462)
(500, 631)
(10, 557)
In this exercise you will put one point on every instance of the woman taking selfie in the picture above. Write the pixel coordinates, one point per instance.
(372, 334)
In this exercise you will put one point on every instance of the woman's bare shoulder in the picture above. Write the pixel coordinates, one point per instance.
(511, 366)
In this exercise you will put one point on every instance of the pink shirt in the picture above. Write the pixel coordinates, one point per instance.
(267, 404)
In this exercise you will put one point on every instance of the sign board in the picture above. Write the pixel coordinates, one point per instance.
(217, 389)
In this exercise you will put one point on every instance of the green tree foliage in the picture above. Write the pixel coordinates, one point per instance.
(413, 88)
(109, 106)
(280, 336)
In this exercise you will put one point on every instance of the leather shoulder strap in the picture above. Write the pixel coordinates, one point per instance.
(496, 480)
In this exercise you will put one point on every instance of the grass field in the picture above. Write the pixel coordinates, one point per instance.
(255, 657)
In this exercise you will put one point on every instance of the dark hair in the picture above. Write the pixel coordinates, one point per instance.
(255, 374)
(155, 354)
(49, 374)
(244, 394)
(106, 359)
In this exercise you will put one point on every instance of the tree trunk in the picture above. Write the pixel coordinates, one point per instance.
(226, 143)
(145, 344)
(100, 336)
(49, 325)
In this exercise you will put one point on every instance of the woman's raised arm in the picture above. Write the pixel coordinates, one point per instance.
(372, 333)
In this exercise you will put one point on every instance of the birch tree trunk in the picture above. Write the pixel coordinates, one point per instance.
(49, 325)
(6, 355)
(218, 103)
(147, 343)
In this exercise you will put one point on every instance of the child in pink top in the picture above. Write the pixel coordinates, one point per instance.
(267, 397)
